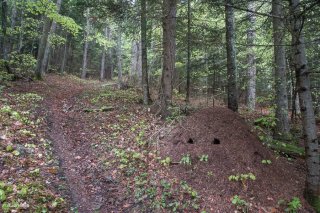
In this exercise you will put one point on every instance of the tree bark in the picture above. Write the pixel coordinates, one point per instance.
(45, 61)
(282, 123)
(144, 56)
(42, 46)
(3, 44)
(169, 52)
(231, 57)
(13, 23)
(251, 34)
(139, 64)
(20, 45)
(103, 58)
(119, 58)
(86, 45)
(109, 70)
(312, 189)
(188, 53)
(65, 55)
(134, 61)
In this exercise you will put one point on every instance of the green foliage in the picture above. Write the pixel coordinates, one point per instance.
(166, 162)
(127, 96)
(49, 9)
(268, 162)
(103, 41)
(4, 76)
(56, 40)
(175, 113)
(204, 158)
(242, 177)
(240, 204)
(186, 160)
(267, 121)
(22, 64)
(294, 205)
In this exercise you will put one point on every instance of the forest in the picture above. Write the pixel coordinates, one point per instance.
(159, 106)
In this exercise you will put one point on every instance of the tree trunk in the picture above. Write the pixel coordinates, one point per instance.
(3, 44)
(188, 52)
(134, 60)
(20, 45)
(231, 57)
(251, 34)
(13, 23)
(282, 123)
(169, 52)
(86, 45)
(42, 47)
(65, 55)
(45, 61)
(103, 58)
(109, 63)
(144, 56)
(139, 64)
(119, 58)
(312, 189)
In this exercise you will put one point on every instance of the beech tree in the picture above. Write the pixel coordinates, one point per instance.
(86, 44)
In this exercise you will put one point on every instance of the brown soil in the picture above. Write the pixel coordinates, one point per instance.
(232, 149)
(217, 132)
(90, 187)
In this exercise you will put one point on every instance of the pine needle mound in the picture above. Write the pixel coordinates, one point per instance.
(227, 159)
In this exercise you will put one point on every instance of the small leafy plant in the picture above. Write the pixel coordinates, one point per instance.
(243, 178)
(166, 162)
(186, 160)
(267, 162)
(204, 158)
(240, 204)
(294, 205)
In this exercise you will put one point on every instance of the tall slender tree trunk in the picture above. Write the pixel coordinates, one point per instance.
(134, 61)
(103, 58)
(282, 123)
(65, 55)
(13, 23)
(139, 64)
(42, 46)
(188, 52)
(312, 189)
(231, 57)
(45, 61)
(144, 56)
(109, 70)
(86, 45)
(251, 34)
(119, 58)
(20, 44)
(169, 53)
(3, 44)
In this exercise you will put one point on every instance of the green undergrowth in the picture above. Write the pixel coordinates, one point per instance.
(288, 146)
(135, 162)
(22, 151)
(128, 96)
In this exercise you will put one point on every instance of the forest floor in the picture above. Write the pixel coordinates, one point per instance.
(69, 145)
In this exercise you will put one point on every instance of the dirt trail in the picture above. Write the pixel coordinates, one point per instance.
(89, 186)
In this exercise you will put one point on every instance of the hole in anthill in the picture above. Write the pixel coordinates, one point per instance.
(190, 141)
(216, 141)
